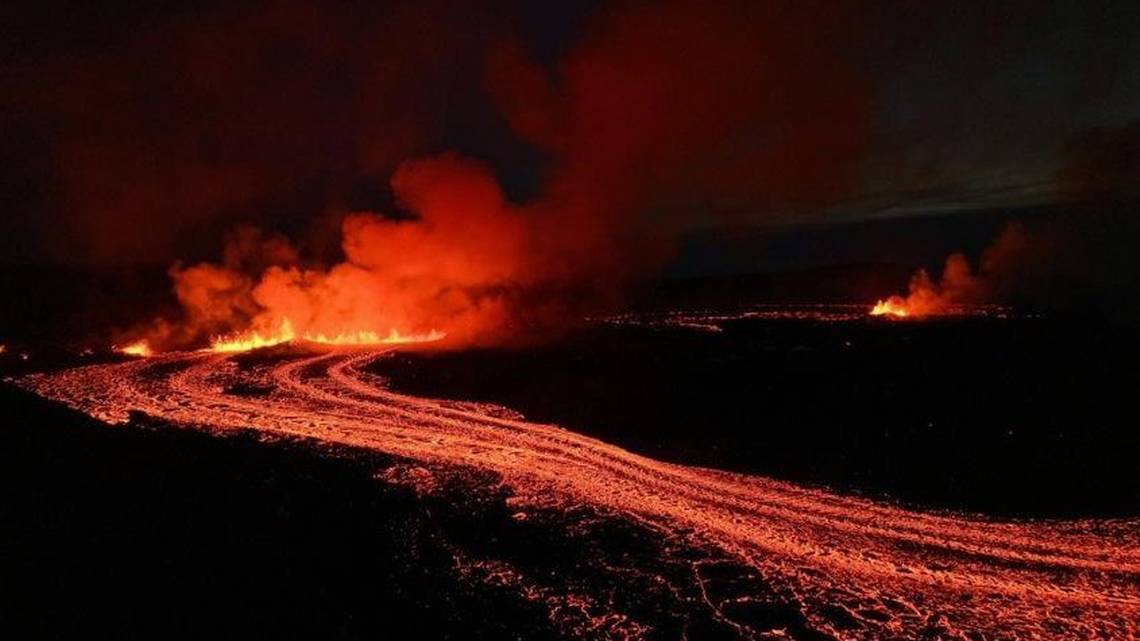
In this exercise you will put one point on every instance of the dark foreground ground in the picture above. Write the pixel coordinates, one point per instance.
(1012, 417)
(134, 533)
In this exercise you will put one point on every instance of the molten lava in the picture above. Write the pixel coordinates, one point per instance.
(858, 569)
(141, 349)
(890, 307)
(286, 334)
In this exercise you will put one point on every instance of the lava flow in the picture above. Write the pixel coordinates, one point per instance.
(858, 569)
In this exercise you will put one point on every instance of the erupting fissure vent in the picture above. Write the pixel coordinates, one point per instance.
(286, 334)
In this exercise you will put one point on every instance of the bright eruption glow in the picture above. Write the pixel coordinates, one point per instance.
(957, 287)
(286, 334)
(138, 348)
(893, 306)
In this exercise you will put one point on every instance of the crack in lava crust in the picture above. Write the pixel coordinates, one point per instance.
(857, 568)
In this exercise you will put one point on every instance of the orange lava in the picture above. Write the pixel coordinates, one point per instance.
(139, 348)
(285, 334)
(857, 568)
(893, 306)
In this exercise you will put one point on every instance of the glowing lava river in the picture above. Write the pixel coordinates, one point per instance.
(895, 572)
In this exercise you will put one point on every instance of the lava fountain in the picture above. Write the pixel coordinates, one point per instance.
(285, 333)
(857, 568)
(893, 307)
(140, 349)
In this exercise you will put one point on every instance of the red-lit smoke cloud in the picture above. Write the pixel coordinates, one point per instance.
(1079, 261)
(173, 126)
(721, 105)
(655, 116)
(925, 296)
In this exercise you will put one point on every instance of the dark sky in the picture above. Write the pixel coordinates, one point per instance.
(142, 135)
(977, 101)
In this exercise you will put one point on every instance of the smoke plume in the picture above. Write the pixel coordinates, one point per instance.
(652, 112)
(1077, 262)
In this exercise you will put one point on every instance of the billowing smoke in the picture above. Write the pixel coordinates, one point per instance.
(1080, 261)
(653, 117)
(957, 285)
(453, 267)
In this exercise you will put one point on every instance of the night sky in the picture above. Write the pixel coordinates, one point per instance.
(749, 135)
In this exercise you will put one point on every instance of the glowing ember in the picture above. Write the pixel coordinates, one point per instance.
(858, 569)
(138, 348)
(285, 334)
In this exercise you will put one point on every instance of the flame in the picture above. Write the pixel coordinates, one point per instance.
(286, 334)
(246, 341)
(138, 348)
(893, 307)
